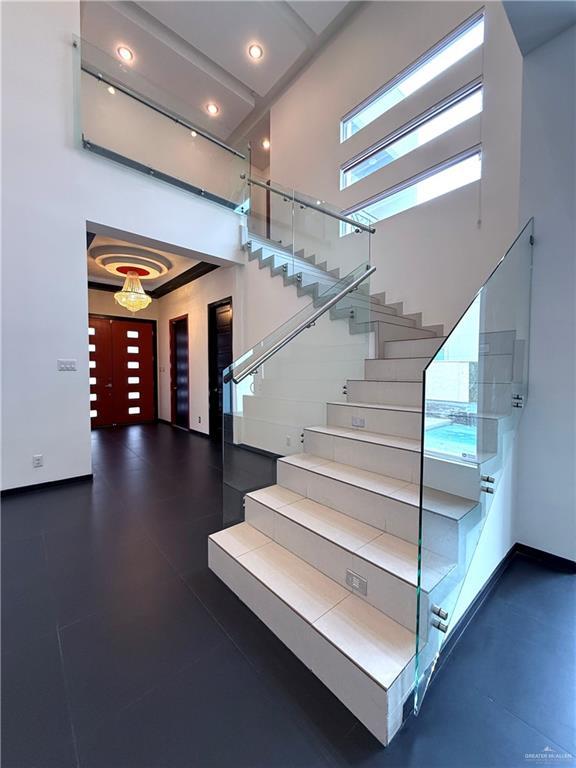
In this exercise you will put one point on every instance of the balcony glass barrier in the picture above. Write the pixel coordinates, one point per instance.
(126, 117)
(282, 386)
(474, 389)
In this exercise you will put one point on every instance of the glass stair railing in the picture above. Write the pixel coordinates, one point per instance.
(474, 389)
(283, 384)
(362, 455)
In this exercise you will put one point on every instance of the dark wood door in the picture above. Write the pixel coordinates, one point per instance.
(219, 358)
(179, 372)
(122, 375)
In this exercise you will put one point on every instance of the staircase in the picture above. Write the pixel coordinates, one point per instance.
(356, 556)
(327, 557)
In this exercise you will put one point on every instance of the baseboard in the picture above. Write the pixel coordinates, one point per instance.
(200, 434)
(474, 607)
(554, 561)
(193, 431)
(43, 486)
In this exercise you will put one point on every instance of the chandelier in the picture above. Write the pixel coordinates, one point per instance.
(132, 296)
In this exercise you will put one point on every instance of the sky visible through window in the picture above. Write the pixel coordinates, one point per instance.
(436, 184)
(446, 56)
(438, 124)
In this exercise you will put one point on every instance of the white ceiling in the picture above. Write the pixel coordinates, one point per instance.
(98, 274)
(536, 21)
(193, 52)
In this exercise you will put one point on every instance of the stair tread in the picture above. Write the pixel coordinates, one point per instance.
(385, 551)
(387, 381)
(439, 502)
(393, 441)
(381, 406)
(347, 532)
(377, 644)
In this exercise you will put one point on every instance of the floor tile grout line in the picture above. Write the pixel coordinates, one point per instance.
(61, 657)
(106, 719)
(68, 699)
(253, 666)
(499, 705)
(528, 724)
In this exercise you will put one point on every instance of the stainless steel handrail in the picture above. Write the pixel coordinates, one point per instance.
(306, 204)
(119, 86)
(299, 328)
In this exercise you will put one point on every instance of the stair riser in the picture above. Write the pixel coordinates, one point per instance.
(291, 412)
(386, 592)
(382, 392)
(382, 512)
(388, 332)
(386, 460)
(415, 348)
(364, 315)
(379, 710)
(402, 423)
(395, 370)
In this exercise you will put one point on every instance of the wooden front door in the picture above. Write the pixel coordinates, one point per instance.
(122, 377)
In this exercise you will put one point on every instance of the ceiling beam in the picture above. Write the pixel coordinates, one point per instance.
(265, 103)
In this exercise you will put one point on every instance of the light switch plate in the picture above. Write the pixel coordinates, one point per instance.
(67, 365)
(357, 583)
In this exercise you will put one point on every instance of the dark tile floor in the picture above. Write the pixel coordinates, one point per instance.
(121, 650)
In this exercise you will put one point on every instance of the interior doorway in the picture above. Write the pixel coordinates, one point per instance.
(179, 373)
(219, 358)
(122, 371)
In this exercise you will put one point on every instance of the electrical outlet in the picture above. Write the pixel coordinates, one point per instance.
(38, 461)
(357, 583)
(199, 419)
(66, 365)
(358, 421)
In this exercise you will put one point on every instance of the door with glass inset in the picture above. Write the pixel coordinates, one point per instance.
(179, 372)
(121, 371)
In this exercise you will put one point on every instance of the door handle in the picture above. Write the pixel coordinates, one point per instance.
(108, 385)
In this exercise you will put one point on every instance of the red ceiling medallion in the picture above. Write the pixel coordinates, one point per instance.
(140, 271)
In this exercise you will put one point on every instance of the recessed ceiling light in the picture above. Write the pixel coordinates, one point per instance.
(255, 51)
(125, 53)
(265, 143)
(193, 134)
(212, 108)
(111, 90)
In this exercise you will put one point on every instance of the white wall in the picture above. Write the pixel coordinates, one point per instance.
(546, 498)
(50, 190)
(191, 300)
(441, 241)
(259, 305)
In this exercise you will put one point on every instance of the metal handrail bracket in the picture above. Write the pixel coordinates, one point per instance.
(253, 367)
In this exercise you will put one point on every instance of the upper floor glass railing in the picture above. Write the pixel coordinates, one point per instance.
(130, 119)
(474, 389)
(127, 118)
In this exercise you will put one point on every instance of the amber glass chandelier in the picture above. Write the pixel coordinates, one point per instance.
(132, 296)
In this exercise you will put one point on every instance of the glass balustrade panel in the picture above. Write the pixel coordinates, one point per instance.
(474, 390)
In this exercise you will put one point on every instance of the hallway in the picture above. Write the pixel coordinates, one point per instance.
(121, 650)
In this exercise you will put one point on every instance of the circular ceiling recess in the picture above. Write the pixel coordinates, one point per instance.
(119, 260)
